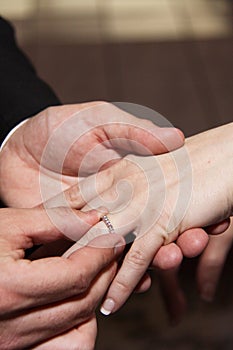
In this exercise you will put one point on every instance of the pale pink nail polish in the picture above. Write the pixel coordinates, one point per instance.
(107, 307)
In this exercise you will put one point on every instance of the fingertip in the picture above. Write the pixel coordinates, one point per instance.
(96, 214)
(192, 242)
(219, 228)
(168, 257)
(90, 217)
(178, 137)
(180, 134)
(171, 138)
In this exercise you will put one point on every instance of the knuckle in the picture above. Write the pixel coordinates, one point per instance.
(82, 282)
(72, 194)
(60, 211)
(122, 285)
(166, 237)
(136, 259)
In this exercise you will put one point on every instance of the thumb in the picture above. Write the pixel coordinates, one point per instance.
(145, 138)
(23, 228)
(137, 135)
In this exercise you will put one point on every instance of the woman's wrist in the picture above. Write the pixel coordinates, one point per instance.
(198, 180)
(211, 158)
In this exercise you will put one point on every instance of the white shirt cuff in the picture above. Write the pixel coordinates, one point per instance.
(11, 133)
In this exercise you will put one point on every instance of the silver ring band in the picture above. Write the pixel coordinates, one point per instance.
(107, 222)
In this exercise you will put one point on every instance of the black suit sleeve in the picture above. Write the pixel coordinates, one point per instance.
(22, 92)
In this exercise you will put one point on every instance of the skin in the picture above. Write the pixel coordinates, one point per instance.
(94, 135)
(21, 159)
(209, 269)
(212, 262)
(210, 156)
(23, 152)
(23, 155)
(51, 296)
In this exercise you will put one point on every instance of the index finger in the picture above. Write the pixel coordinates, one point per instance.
(49, 280)
(135, 264)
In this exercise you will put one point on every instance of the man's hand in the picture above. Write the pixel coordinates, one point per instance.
(61, 145)
(42, 299)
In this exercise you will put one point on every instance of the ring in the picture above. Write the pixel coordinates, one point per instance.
(107, 222)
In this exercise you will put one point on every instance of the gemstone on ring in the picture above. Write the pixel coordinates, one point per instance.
(107, 222)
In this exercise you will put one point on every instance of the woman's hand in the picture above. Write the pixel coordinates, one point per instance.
(61, 145)
(51, 301)
(98, 132)
(211, 263)
(159, 198)
(209, 269)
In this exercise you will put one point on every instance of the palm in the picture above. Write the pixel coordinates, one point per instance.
(22, 172)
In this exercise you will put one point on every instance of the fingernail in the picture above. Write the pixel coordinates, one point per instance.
(107, 307)
(207, 292)
(99, 212)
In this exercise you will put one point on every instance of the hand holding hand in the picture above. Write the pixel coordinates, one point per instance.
(42, 299)
(151, 214)
(61, 145)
